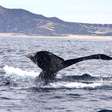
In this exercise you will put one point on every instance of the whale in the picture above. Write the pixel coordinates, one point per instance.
(51, 64)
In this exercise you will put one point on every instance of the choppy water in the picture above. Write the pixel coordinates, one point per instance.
(19, 93)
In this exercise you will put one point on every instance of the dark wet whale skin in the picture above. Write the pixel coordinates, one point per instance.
(51, 64)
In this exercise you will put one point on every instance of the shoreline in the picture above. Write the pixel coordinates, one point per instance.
(71, 37)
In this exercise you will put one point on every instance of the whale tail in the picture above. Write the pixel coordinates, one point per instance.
(47, 61)
(95, 56)
(51, 63)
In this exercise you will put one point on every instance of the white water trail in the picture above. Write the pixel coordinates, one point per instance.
(9, 70)
(17, 73)
(77, 85)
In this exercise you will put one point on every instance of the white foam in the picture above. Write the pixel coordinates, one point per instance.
(75, 85)
(17, 71)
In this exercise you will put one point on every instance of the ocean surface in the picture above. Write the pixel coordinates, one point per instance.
(19, 91)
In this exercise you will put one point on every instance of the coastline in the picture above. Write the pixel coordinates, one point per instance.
(71, 37)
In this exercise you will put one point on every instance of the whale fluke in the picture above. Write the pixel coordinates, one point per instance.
(95, 56)
(51, 63)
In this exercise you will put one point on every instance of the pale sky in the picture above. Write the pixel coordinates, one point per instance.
(87, 11)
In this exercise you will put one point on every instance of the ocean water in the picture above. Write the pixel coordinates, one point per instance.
(20, 93)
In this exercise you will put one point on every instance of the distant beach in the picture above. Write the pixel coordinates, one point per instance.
(74, 37)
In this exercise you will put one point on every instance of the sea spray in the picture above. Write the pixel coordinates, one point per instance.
(17, 71)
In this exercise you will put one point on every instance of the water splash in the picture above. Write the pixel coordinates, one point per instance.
(17, 71)
(19, 76)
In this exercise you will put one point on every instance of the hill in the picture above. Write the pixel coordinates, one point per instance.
(23, 21)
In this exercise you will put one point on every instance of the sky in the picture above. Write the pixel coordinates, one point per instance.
(86, 11)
